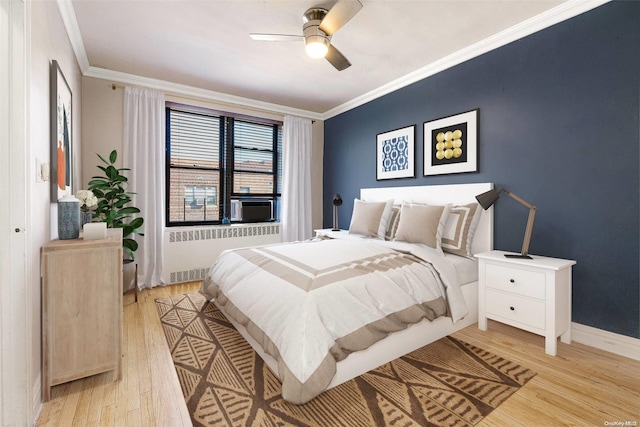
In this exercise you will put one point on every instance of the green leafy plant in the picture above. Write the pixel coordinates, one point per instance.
(113, 202)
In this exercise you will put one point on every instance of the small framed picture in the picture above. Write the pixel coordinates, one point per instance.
(451, 144)
(395, 154)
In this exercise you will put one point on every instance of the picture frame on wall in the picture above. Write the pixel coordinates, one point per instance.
(395, 153)
(61, 171)
(451, 144)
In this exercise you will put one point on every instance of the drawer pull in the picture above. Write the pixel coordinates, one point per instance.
(512, 308)
(512, 281)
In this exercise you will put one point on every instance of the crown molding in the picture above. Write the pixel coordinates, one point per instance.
(192, 92)
(73, 31)
(551, 17)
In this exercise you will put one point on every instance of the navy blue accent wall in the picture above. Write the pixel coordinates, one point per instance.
(558, 125)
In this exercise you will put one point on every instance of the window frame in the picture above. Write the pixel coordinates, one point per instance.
(226, 159)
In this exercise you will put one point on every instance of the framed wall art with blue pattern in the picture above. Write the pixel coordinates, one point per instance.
(451, 144)
(396, 154)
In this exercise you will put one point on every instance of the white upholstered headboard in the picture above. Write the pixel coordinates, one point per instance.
(441, 195)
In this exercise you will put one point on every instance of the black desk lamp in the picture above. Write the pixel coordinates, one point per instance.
(487, 199)
(337, 201)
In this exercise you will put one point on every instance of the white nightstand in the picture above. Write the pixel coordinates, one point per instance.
(530, 294)
(328, 232)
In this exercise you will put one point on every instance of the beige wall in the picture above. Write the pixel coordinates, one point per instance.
(49, 42)
(102, 109)
(103, 122)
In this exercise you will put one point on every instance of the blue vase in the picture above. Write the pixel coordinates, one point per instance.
(68, 218)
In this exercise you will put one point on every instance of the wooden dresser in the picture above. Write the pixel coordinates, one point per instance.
(81, 309)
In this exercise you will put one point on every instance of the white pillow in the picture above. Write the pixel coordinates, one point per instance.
(460, 228)
(370, 218)
(422, 224)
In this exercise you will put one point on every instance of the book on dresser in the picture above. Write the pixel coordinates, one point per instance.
(81, 309)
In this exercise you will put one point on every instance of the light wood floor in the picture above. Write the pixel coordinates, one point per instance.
(582, 386)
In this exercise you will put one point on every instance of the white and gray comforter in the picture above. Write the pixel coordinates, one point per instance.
(310, 304)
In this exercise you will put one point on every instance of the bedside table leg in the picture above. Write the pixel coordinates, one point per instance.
(482, 323)
(551, 346)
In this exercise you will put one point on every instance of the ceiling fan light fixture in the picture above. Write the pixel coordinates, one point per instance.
(318, 27)
(316, 46)
(316, 41)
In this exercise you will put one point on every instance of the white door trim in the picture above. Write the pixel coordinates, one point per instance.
(15, 299)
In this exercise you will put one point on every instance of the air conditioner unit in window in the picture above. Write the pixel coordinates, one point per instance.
(251, 210)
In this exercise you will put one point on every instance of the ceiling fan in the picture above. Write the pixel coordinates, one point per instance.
(319, 24)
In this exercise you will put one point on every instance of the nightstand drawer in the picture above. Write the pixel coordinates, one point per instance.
(515, 308)
(514, 280)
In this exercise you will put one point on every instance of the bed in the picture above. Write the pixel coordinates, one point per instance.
(361, 298)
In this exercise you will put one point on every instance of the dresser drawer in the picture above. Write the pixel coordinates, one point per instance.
(515, 308)
(514, 280)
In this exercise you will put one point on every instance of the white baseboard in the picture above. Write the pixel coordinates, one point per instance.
(621, 345)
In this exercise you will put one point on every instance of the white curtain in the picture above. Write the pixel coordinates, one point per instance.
(144, 135)
(296, 177)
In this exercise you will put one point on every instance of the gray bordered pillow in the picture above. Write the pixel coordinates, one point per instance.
(394, 219)
(460, 228)
(422, 224)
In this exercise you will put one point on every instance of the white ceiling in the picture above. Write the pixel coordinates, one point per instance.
(198, 44)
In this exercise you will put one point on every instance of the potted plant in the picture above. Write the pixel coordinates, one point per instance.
(113, 203)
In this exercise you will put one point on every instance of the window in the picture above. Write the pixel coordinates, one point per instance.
(213, 158)
(200, 196)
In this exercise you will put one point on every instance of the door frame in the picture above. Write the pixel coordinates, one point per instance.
(16, 327)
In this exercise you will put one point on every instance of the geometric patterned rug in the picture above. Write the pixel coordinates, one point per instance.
(225, 382)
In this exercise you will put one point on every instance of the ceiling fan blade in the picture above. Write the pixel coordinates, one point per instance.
(339, 15)
(337, 59)
(275, 37)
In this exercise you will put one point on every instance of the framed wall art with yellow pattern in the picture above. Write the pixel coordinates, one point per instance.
(451, 144)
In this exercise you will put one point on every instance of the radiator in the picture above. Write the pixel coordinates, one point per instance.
(190, 252)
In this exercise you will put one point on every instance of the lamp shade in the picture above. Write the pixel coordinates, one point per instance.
(337, 200)
(487, 199)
